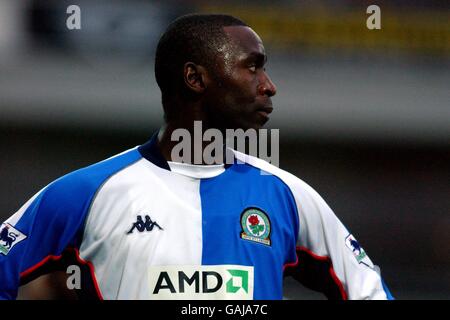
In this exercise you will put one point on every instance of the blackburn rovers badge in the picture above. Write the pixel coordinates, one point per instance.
(255, 226)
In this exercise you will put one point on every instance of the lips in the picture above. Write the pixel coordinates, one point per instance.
(265, 111)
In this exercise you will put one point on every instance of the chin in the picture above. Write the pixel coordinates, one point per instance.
(260, 125)
(255, 126)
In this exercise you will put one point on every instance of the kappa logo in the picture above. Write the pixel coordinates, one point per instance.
(255, 226)
(142, 225)
(9, 237)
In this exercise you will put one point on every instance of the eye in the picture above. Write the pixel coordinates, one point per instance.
(252, 68)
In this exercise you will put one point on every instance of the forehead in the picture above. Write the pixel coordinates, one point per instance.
(245, 41)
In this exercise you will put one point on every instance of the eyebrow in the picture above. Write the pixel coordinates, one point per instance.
(259, 57)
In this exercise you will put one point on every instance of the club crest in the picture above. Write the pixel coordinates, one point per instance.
(255, 226)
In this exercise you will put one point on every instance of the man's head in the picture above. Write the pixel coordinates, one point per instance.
(215, 62)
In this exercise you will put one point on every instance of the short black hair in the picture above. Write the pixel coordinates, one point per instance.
(193, 37)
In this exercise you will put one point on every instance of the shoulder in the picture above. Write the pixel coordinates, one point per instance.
(305, 195)
(58, 211)
(74, 192)
(292, 181)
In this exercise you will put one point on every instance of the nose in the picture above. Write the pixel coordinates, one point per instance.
(267, 87)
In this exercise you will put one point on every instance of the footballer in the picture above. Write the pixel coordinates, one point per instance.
(142, 226)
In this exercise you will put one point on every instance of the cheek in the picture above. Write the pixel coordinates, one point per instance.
(243, 89)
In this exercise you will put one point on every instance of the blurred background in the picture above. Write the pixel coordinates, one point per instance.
(364, 115)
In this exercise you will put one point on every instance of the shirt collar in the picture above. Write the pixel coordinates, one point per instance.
(151, 152)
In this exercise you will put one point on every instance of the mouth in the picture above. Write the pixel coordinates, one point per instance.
(265, 111)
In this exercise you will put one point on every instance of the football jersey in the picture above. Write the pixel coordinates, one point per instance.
(139, 227)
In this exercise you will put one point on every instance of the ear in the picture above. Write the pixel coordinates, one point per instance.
(195, 77)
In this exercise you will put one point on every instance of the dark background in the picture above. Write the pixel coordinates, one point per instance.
(363, 115)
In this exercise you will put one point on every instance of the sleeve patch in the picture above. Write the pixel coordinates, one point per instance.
(9, 237)
(358, 251)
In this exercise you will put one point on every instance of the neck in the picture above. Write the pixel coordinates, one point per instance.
(191, 125)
